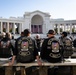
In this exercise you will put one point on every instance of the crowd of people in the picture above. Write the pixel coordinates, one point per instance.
(25, 49)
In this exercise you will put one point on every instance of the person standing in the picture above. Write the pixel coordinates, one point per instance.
(38, 42)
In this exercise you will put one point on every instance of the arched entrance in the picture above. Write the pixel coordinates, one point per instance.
(37, 24)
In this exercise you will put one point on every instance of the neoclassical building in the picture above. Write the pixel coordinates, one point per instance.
(38, 22)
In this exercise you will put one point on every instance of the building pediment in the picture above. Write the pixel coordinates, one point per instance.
(38, 12)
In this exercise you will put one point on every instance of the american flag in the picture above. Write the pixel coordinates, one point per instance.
(25, 43)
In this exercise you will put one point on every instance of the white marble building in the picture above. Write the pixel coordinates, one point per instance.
(38, 22)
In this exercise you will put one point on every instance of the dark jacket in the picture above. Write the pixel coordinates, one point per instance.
(46, 51)
(6, 52)
(35, 52)
(67, 50)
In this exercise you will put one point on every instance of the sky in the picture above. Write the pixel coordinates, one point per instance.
(65, 9)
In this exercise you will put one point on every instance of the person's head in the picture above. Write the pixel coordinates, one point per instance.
(12, 37)
(37, 36)
(64, 34)
(50, 33)
(8, 35)
(22, 33)
(26, 32)
(3, 34)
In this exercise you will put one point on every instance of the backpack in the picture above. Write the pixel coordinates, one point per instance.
(5, 48)
(25, 50)
(68, 50)
(55, 50)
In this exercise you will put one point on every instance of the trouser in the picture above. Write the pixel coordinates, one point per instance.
(9, 70)
(43, 70)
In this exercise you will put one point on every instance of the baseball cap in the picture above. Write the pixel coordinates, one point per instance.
(50, 32)
(64, 33)
(26, 32)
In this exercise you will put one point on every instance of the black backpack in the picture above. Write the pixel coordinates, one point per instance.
(5, 50)
(55, 50)
(68, 50)
(25, 50)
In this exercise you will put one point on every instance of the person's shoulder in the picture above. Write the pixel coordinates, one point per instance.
(45, 39)
(60, 37)
(18, 38)
(52, 38)
(68, 38)
(32, 39)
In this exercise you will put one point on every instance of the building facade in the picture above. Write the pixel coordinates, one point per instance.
(38, 22)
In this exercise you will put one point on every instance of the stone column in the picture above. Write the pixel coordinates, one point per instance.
(1, 28)
(44, 28)
(13, 28)
(64, 27)
(30, 26)
(58, 28)
(7, 26)
(53, 27)
(20, 27)
(70, 28)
